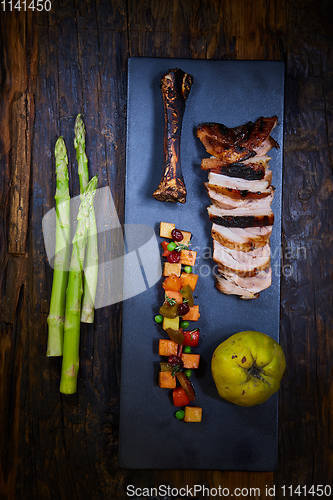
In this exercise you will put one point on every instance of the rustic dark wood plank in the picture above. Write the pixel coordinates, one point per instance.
(75, 59)
(306, 290)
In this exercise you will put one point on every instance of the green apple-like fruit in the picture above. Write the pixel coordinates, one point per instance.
(247, 368)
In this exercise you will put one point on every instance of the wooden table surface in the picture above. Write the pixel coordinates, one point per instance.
(54, 65)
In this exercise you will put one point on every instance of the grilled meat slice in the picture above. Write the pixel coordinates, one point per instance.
(266, 146)
(224, 201)
(226, 286)
(244, 185)
(217, 140)
(260, 132)
(232, 145)
(244, 239)
(236, 194)
(240, 217)
(251, 169)
(248, 287)
(242, 263)
(175, 86)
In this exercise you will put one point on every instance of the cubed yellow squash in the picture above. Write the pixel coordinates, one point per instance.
(170, 269)
(165, 229)
(193, 414)
(171, 323)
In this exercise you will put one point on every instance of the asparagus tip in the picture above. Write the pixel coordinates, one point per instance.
(60, 149)
(80, 131)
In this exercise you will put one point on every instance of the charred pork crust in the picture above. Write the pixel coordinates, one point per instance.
(175, 87)
(249, 171)
(243, 172)
(236, 144)
(243, 220)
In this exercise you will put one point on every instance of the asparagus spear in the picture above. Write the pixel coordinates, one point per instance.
(70, 360)
(56, 316)
(91, 263)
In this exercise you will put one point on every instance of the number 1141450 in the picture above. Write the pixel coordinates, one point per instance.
(18, 5)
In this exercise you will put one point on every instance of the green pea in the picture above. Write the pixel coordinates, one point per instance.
(188, 373)
(180, 414)
(188, 269)
(172, 245)
(187, 349)
(184, 324)
(158, 318)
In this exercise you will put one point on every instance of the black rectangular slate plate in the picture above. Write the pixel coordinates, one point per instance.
(230, 437)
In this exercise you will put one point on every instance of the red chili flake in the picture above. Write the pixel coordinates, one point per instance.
(243, 393)
(243, 359)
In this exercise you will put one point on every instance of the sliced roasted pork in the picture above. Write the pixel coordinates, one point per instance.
(216, 181)
(239, 186)
(251, 169)
(237, 144)
(240, 217)
(244, 239)
(224, 201)
(248, 287)
(242, 263)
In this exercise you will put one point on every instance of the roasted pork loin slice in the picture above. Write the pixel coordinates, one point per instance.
(244, 239)
(251, 169)
(237, 194)
(228, 287)
(240, 217)
(244, 185)
(237, 144)
(242, 263)
(225, 201)
(221, 142)
(266, 146)
(249, 287)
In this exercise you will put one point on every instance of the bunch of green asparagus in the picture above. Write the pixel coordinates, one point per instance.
(73, 296)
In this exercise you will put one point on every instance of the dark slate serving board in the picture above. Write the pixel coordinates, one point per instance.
(230, 437)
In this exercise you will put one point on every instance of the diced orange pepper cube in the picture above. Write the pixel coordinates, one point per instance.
(172, 283)
(187, 257)
(174, 295)
(166, 380)
(193, 314)
(167, 347)
(189, 279)
(191, 360)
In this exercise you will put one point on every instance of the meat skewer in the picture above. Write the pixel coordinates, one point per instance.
(175, 87)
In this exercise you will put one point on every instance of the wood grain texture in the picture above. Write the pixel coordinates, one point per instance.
(72, 60)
